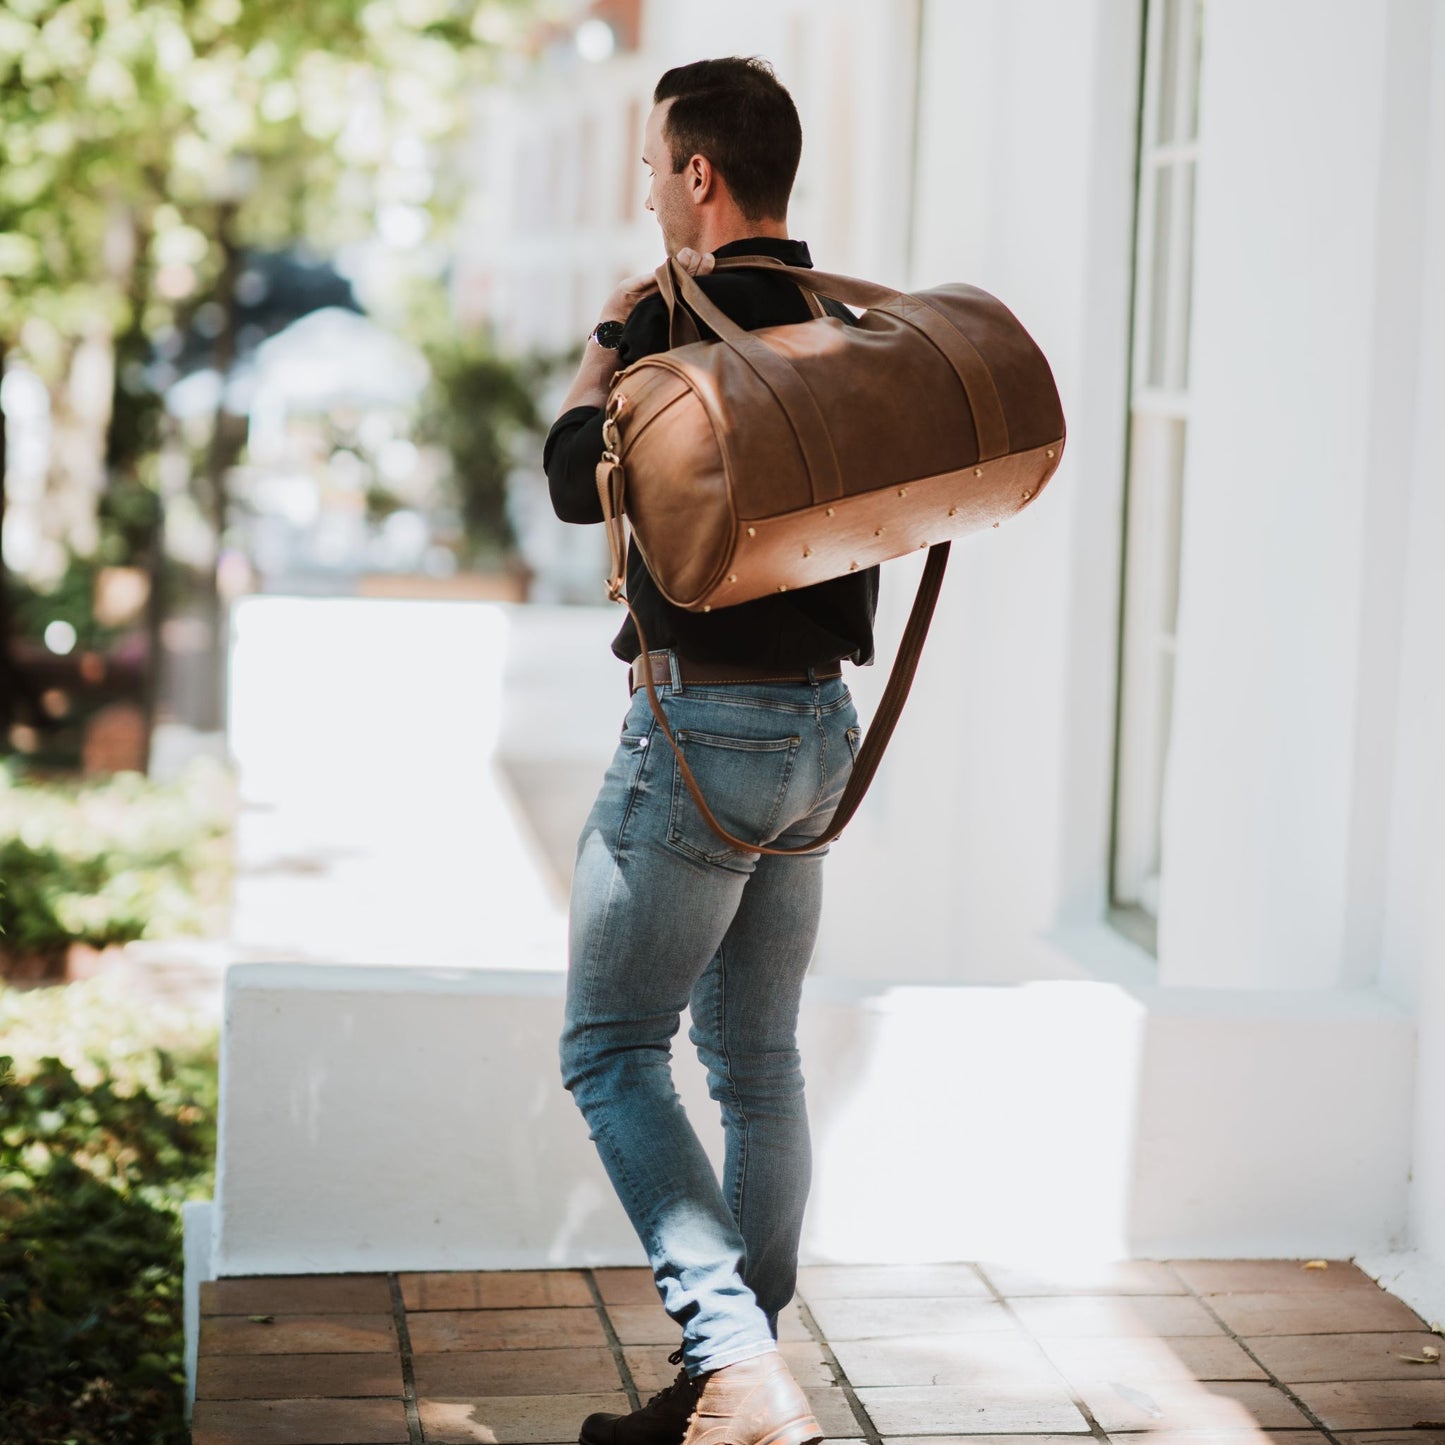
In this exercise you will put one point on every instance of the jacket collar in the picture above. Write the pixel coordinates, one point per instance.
(790, 252)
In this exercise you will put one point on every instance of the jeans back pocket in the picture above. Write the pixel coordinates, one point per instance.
(744, 781)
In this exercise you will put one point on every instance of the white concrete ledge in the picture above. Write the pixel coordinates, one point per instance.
(414, 1118)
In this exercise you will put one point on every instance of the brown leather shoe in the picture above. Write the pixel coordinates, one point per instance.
(754, 1402)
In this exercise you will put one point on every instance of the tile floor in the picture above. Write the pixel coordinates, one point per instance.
(1195, 1352)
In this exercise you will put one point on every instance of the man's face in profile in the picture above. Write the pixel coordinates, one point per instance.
(667, 194)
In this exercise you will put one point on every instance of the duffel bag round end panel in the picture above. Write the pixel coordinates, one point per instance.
(676, 495)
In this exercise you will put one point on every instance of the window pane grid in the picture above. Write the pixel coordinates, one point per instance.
(1159, 414)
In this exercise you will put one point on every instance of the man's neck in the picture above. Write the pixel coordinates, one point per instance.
(734, 228)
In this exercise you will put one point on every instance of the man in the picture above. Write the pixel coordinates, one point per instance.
(664, 915)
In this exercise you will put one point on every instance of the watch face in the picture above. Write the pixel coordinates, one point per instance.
(609, 334)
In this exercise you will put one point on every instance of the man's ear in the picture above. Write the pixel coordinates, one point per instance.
(701, 180)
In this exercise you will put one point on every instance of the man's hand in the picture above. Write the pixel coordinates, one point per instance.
(600, 363)
(632, 290)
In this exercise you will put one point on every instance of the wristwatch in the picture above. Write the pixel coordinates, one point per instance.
(608, 334)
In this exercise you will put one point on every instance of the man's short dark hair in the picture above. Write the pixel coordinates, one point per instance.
(735, 112)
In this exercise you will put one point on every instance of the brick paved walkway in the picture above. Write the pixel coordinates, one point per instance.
(1216, 1352)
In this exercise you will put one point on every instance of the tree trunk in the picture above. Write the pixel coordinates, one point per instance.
(136, 418)
(19, 697)
(225, 447)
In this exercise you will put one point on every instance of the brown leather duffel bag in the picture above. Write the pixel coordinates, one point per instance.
(780, 457)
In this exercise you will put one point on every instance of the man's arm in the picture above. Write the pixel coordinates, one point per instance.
(601, 363)
(569, 457)
(574, 445)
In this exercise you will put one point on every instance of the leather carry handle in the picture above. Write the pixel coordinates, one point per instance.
(797, 401)
(682, 329)
(610, 490)
(850, 289)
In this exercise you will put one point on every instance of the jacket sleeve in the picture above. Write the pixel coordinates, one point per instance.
(569, 457)
(574, 445)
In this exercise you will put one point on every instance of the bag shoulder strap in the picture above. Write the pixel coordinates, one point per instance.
(875, 740)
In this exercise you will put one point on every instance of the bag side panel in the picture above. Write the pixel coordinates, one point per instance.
(893, 407)
(893, 404)
(758, 444)
(1021, 373)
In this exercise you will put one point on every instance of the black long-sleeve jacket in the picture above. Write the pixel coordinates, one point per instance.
(802, 628)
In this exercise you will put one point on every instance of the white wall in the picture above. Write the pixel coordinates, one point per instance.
(989, 821)
(1413, 956)
(414, 1118)
(1416, 921)
(1307, 278)
(1303, 840)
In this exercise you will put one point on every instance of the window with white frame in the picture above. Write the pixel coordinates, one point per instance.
(1158, 422)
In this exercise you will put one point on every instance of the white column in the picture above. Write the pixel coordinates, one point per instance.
(1413, 966)
(1308, 265)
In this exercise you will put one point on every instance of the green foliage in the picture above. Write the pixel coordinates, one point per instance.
(144, 142)
(480, 407)
(107, 1124)
(71, 599)
(145, 104)
(129, 513)
(381, 502)
(107, 860)
(128, 518)
(41, 887)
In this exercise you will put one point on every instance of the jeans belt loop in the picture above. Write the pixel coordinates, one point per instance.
(675, 668)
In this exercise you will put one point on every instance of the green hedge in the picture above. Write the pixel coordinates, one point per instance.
(110, 859)
(107, 1103)
(107, 1124)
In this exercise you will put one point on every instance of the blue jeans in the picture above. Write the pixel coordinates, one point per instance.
(665, 915)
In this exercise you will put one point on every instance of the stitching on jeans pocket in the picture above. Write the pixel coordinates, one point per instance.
(744, 781)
